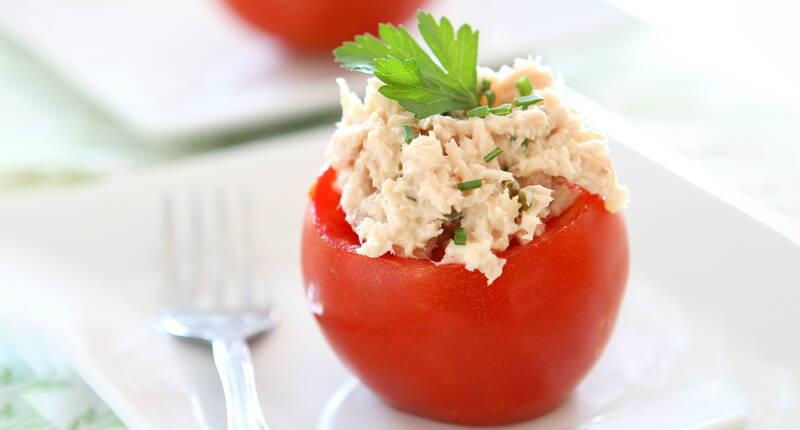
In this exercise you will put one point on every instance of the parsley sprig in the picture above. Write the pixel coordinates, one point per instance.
(412, 77)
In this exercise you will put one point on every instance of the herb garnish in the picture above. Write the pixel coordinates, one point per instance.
(490, 97)
(460, 238)
(468, 185)
(528, 100)
(480, 112)
(411, 76)
(524, 86)
(492, 155)
(524, 144)
(408, 135)
(503, 109)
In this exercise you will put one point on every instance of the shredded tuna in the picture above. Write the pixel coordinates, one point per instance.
(404, 198)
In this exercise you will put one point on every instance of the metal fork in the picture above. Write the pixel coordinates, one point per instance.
(209, 282)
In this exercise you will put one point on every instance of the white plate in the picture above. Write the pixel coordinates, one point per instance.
(708, 329)
(185, 68)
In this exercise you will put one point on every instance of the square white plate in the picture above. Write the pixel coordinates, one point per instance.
(186, 68)
(708, 329)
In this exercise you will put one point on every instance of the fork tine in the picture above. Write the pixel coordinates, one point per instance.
(222, 242)
(248, 252)
(197, 270)
(210, 260)
(169, 271)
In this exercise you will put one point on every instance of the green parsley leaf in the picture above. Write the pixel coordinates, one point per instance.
(411, 76)
(458, 53)
(406, 84)
(360, 54)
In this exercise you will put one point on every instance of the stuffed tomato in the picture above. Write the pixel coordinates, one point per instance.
(466, 259)
(438, 342)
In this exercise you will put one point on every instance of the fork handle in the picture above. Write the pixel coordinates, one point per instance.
(235, 368)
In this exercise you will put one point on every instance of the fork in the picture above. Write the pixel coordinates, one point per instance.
(209, 281)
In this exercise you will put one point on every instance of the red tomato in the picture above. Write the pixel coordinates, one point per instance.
(438, 342)
(316, 25)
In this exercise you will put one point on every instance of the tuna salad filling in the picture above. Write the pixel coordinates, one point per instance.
(461, 187)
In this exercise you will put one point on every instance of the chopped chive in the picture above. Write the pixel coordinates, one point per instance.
(407, 133)
(460, 237)
(526, 101)
(524, 144)
(492, 155)
(490, 97)
(480, 112)
(486, 85)
(503, 109)
(468, 185)
(524, 86)
(512, 138)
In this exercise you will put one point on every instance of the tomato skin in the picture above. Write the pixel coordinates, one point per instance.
(321, 25)
(437, 341)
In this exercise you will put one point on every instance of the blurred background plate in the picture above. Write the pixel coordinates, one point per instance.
(181, 69)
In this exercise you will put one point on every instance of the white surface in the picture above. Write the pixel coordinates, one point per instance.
(707, 331)
(183, 68)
